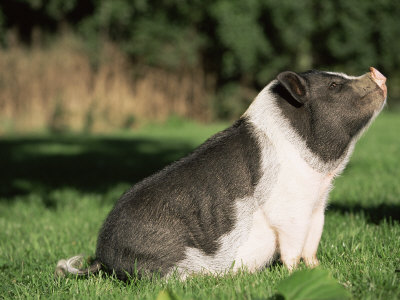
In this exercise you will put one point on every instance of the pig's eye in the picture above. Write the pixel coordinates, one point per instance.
(333, 85)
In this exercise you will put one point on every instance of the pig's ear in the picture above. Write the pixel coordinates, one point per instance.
(295, 84)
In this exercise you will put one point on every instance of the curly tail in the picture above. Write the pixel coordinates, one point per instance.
(73, 265)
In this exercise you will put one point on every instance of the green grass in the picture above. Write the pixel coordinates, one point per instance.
(56, 190)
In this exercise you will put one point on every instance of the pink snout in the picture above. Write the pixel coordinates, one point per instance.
(379, 79)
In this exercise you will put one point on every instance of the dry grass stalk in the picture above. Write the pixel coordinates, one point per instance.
(57, 87)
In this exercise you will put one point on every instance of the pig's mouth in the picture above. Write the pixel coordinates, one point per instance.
(377, 93)
(380, 92)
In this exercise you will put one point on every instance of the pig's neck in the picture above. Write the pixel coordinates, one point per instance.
(329, 153)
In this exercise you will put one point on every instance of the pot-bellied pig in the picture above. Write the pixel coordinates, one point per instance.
(254, 190)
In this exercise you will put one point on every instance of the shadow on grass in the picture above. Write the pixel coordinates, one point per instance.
(96, 164)
(373, 214)
(86, 163)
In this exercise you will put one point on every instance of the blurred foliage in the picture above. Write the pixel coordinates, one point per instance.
(312, 284)
(239, 42)
(1, 27)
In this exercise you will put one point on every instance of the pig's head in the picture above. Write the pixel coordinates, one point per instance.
(329, 110)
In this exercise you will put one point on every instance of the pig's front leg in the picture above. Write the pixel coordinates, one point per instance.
(309, 254)
(292, 236)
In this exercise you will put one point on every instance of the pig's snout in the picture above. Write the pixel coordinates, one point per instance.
(379, 79)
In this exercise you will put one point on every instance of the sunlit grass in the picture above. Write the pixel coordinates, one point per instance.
(57, 190)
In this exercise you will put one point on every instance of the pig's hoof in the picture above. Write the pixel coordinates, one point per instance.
(311, 262)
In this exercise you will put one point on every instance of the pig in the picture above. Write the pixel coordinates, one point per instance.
(254, 191)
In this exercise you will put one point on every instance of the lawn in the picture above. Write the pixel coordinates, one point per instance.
(56, 190)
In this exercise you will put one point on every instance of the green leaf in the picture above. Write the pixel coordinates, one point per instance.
(312, 284)
(166, 295)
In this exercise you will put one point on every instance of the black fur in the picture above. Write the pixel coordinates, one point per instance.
(187, 204)
(335, 111)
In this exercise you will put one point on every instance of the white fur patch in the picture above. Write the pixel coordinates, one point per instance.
(342, 75)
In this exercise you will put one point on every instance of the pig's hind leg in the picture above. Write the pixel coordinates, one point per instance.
(259, 248)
